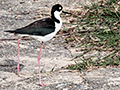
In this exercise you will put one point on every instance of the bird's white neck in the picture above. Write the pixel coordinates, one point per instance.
(57, 16)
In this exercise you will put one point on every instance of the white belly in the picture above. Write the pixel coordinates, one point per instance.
(44, 38)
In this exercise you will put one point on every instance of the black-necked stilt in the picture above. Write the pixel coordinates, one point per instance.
(42, 30)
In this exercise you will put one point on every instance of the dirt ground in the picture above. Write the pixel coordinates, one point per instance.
(15, 14)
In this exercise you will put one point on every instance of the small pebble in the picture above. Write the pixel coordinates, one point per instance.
(82, 87)
(4, 78)
(59, 85)
(65, 89)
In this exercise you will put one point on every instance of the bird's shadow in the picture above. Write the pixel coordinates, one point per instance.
(9, 65)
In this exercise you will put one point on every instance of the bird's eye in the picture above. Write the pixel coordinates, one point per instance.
(60, 8)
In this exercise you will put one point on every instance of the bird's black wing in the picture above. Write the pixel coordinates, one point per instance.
(41, 27)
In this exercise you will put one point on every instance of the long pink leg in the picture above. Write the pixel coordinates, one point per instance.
(18, 66)
(39, 66)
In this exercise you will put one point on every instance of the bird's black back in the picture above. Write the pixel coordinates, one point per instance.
(41, 27)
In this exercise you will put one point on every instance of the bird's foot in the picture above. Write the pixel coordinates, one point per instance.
(17, 69)
(43, 84)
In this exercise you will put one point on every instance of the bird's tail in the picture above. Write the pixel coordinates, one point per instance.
(10, 31)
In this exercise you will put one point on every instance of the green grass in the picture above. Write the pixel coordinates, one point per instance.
(103, 19)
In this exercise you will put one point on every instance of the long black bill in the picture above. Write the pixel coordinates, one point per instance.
(66, 12)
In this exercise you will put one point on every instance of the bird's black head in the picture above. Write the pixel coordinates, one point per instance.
(55, 12)
(56, 7)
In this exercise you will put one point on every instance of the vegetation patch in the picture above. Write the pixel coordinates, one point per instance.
(98, 29)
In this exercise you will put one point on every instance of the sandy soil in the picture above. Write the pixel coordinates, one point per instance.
(15, 14)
